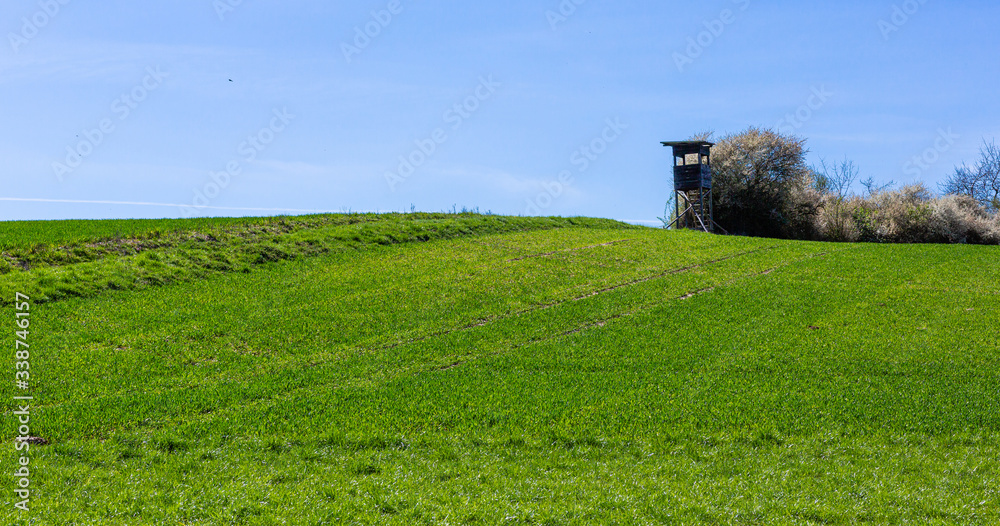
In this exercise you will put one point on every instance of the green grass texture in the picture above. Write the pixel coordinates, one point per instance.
(464, 369)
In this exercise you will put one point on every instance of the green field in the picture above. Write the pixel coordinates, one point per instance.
(438, 369)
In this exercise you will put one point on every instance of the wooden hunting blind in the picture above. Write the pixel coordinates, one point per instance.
(694, 207)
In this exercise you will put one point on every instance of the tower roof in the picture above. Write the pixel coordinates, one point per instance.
(689, 144)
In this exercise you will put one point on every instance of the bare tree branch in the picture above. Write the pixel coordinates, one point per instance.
(873, 188)
(982, 181)
(838, 178)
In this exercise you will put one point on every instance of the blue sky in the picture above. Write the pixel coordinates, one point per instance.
(551, 107)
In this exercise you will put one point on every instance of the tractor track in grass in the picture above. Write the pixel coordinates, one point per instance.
(576, 249)
(264, 399)
(320, 361)
(456, 362)
(953, 291)
(604, 321)
(544, 306)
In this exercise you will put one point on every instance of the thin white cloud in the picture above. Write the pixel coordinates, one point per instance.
(170, 205)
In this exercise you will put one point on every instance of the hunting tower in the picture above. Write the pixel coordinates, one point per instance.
(694, 207)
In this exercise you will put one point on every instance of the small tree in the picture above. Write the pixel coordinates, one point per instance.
(669, 211)
(835, 180)
(756, 174)
(980, 182)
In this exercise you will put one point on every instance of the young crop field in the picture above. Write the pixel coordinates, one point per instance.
(433, 369)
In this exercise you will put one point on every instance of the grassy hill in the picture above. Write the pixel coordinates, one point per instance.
(432, 369)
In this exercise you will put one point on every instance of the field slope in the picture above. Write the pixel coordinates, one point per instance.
(485, 370)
